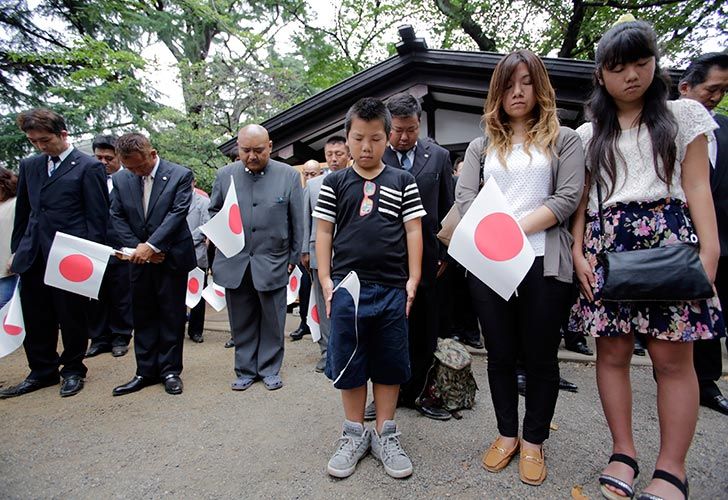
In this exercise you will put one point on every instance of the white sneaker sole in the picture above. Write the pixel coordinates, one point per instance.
(398, 474)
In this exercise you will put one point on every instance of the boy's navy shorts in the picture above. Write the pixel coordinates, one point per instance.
(382, 354)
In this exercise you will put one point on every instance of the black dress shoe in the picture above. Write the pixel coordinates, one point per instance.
(521, 382)
(197, 338)
(119, 350)
(299, 332)
(475, 344)
(25, 387)
(71, 385)
(230, 343)
(173, 384)
(433, 412)
(639, 351)
(718, 403)
(580, 348)
(136, 384)
(97, 349)
(565, 385)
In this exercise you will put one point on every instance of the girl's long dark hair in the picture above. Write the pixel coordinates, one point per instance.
(625, 43)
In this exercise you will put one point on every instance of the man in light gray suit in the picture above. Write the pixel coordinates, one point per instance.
(270, 198)
(336, 159)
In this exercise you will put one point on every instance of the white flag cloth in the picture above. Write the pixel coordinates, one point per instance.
(351, 284)
(77, 265)
(489, 243)
(215, 296)
(195, 282)
(294, 285)
(313, 319)
(12, 331)
(225, 230)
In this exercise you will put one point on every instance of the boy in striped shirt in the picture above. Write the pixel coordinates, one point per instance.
(369, 215)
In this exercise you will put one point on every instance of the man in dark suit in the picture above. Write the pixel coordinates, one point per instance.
(706, 81)
(59, 189)
(270, 198)
(431, 166)
(149, 205)
(110, 318)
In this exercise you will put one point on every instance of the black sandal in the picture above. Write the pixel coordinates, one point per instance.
(670, 478)
(626, 488)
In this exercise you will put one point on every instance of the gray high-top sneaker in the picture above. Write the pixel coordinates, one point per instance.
(351, 447)
(387, 448)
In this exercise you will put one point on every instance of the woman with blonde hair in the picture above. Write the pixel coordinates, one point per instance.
(539, 167)
(8, 188)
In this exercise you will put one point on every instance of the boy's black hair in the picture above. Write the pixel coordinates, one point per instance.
(102, 141)
(336, 139)
(698, 70)
(404, 105)
(369, 109)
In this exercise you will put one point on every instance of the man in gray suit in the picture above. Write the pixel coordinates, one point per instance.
(335, 162)
(270, 198)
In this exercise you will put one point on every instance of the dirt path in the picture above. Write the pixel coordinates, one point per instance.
(211, 442)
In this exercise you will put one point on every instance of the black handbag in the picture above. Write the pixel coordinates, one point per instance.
(669, 273)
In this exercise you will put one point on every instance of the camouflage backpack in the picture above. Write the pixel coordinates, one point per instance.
(450, 381)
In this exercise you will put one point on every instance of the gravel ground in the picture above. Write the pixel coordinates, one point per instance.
(211, 442)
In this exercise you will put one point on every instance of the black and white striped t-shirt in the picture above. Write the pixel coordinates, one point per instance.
(370, 236)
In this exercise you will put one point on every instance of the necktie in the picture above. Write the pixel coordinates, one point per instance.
(55, 161)
(405, 162)
(148, 181)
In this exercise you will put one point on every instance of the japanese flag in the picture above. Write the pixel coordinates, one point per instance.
(225, 230)
(12, 329)
(215, 296)
(294, 285)
(76, 265)
(489, 243)
(314, 319)
(195, 281)
(351, 284)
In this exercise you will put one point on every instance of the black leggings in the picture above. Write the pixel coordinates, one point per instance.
(527, 328)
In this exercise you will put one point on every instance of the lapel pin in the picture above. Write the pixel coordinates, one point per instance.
(73, 163)
(164, 178)
(426, 155)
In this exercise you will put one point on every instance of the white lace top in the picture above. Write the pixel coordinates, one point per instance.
(525, 182)
(636, 176)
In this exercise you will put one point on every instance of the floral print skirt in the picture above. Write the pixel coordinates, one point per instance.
(634, 226)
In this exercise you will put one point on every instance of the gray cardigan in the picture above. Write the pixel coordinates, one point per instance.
(567, 177)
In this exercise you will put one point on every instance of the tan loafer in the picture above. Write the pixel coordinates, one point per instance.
(498, 456)
(532, 466)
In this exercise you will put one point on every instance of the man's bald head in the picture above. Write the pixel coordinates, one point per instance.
(254, 147)
(311, 169)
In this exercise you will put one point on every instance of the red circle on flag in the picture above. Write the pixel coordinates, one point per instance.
(76, 267)
(294, 283)
(11, 329)
(219, 293)
(314, 314)
(193, 285)
(235, 220)
(498, 237)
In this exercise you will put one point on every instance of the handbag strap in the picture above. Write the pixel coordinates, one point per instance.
(599, 208)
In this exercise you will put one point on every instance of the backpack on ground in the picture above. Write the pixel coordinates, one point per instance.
(450, 381)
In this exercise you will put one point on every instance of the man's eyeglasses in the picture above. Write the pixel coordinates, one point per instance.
(367, 204)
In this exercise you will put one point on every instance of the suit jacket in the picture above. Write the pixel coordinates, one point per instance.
(271, 207)
(165, 225)
(719, 182)
(197, 216)
(433, 172)
(74, 200)
(310, 197)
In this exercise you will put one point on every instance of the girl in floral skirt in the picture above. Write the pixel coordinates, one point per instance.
(650, 159)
